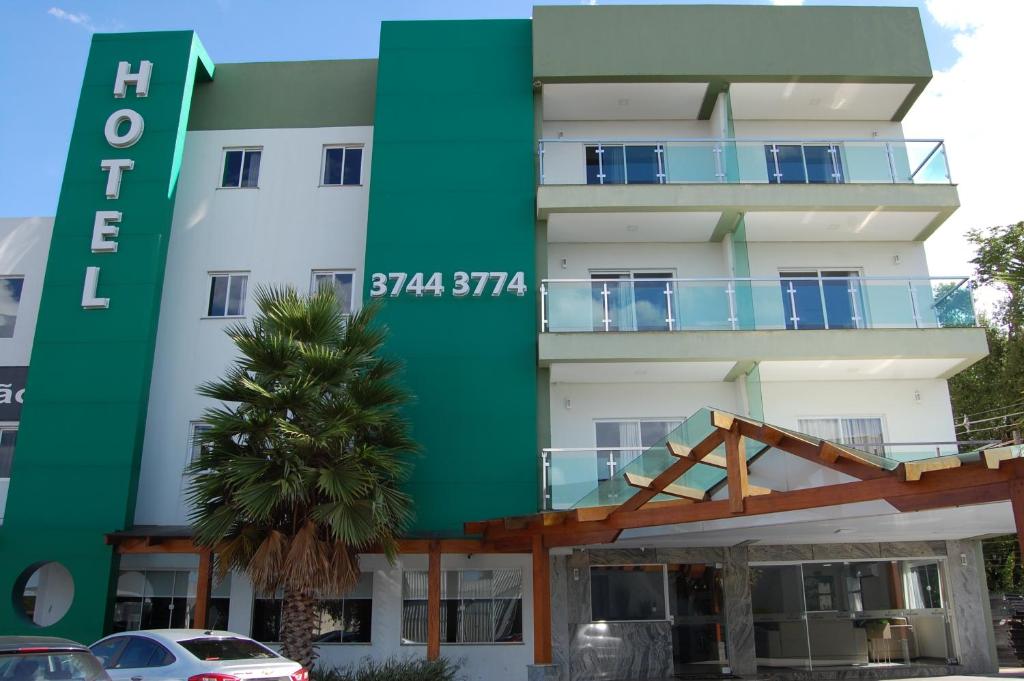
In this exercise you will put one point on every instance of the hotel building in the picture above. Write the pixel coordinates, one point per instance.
(657, 275)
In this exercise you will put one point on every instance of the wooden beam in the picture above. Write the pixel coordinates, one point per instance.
(993, 457)
(677, 450)
(672, 473)
(1016, 491)
(913, 470)
(939, 489)
(722, 419)
(125, 545)
(828, 451)
(434, 601)
(736, 472)
(673, 490)
(681, 452)
(541, 602)
(951, 498)
(203, 587)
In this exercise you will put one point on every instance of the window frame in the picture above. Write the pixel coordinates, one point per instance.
(21, 293)
(245, 149)
(333, 272)
(10, 425)
(343, 599)
(193, 447)
(209, 292)
(345, 148)
(846, 417)
(664, 590)
(522, 597)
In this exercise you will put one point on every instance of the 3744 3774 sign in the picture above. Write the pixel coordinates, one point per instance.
(458, 284)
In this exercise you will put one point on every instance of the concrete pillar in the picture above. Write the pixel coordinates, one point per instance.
(968, 599)
(739, 618)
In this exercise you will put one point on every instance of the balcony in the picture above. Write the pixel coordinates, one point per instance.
(799, 326)
(594, 476)
(867, 188)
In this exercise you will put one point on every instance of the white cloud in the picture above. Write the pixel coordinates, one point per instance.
(77, 19)
(976, 105)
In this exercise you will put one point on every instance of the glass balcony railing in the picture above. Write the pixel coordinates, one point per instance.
(792, 301)
(680, 161)
(584, 477)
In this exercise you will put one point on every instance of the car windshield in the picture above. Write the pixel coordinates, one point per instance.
(226, 649)
(58, 666)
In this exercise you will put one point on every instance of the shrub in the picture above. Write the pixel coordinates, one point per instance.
(391, 669)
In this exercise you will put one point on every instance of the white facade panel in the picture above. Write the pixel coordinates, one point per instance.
(278, 232)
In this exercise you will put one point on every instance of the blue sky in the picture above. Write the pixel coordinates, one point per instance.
(35, 127)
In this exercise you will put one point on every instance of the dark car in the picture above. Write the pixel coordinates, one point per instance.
(42, 658)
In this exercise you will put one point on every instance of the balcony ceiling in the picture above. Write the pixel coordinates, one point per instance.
(859, 369)
(875, 225)
(818, 101)
(622, 101)
(640, 372)
(678, 227)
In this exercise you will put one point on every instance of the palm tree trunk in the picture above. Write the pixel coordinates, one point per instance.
(298, 619)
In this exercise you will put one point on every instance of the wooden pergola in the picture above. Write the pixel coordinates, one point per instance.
(938, 482)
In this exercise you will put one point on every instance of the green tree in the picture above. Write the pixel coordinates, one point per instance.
(302, 466)
(989, 387)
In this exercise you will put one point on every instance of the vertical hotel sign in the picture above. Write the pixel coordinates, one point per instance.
(75, 474)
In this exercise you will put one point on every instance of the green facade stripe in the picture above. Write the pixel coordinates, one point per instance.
(299, 94)
(453, 190)
(75, 474)
(723, 44)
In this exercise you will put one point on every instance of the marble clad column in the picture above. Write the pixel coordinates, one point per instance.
(968, 599)
(739, 618)
(560, 628)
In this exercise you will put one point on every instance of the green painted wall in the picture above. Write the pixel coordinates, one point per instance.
(453, 190)
(293, 94)
(80, 440)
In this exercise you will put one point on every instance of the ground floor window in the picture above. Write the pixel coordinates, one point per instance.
(346, 619)
(162, 599)
(842, 613)
(627, 593)
(477, 606)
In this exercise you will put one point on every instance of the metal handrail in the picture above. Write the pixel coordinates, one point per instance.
(982, 443)
(794, 140)
(959, 279)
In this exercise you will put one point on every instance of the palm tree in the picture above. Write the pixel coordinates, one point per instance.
(301, 467)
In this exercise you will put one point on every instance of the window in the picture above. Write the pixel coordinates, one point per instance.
(632, 436)
(161, 599)
(241, 168)
(342, 166)
(631, 301)
(804, 163)
(226, 649)
(339, 620)
(10, 297)
(227, 295)
(342, 283)
(477, 606)
(627, 592)
(142, 652)
(624, 164)
(822, 299)
(196, 430)
(8, 440)
(862, 433)
(106, 651)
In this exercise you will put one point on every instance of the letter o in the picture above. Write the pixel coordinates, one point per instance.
(131, 136)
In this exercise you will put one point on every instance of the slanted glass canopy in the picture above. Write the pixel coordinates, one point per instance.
(704, 479)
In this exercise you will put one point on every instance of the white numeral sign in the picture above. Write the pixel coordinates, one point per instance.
(474, 284)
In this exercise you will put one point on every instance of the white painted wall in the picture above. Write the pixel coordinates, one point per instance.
(278, 232)
(830, 130)
(873, 258)
(24, 248)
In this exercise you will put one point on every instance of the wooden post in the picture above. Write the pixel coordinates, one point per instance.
(896, 586)
(434, 602)
(541, 602)
(736, 468)
(203, 585)
(1017, 503)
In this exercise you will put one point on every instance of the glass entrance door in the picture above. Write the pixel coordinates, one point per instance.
(698, 630)
(829, 299)
(631, 301)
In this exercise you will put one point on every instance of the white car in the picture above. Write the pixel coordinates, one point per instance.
(192, 655)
